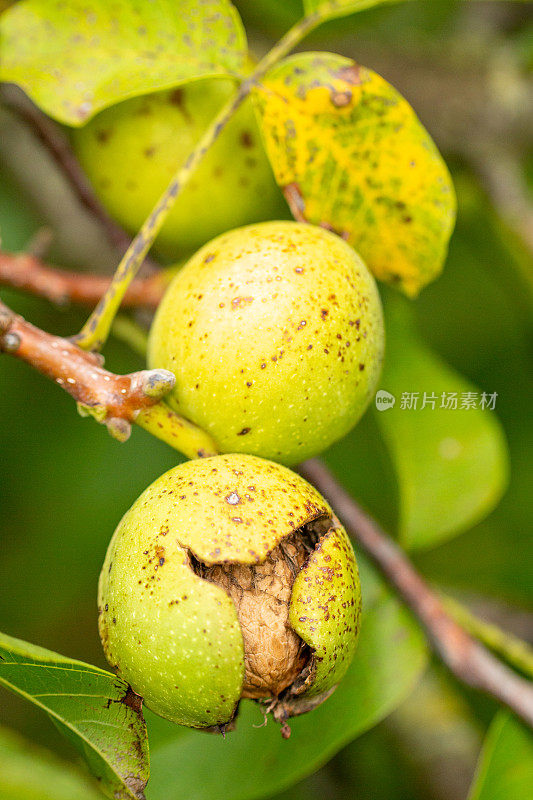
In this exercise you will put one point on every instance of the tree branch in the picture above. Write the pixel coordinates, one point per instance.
(113, 400)
(26, 272)
(467, 659)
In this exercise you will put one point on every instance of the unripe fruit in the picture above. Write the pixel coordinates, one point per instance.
(229, 578)
(275, 335)
(131, 151)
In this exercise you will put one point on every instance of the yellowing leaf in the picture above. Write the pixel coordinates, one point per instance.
(350, 155)
(75, 57)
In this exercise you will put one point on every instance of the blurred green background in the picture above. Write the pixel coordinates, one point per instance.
(64, 483)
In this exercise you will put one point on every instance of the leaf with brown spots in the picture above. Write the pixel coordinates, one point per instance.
(352, 156)
(95, 710)
(76, 57)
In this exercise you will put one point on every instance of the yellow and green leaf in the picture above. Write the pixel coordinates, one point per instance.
(350, 155)
(76, 57)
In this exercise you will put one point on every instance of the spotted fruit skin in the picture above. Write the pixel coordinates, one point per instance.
(275, 335)
(131, 151)
(174, 636)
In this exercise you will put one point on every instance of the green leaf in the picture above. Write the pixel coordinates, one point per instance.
(451, 463)
(329, 9)
(33, 773)
(505, 769)
(93, 708)
(76, 57)
(478, 317)
(254, 761)
(350, 154)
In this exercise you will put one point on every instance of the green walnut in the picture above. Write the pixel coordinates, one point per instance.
(131, 151)
(275, 335)
(229, 578)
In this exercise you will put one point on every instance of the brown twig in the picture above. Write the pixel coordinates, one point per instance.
(467, 659)
(56, 143)
(26, 272)
(114, 400)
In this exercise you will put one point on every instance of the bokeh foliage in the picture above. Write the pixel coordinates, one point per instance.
(65, 484)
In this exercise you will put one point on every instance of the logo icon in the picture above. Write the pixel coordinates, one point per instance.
(384, 400)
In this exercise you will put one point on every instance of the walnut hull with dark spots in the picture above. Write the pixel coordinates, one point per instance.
(229, 578)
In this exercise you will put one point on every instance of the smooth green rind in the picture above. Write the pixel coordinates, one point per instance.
(131, 151)
(174, 637)
(90, 706)
(75, 57)
(452, 464)
(505, 769)
(275, 335)
(351, 155)
(325, 609)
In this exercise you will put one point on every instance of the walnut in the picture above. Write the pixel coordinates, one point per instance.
(274, 654)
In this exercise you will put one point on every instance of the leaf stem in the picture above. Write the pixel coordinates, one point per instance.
(96, 330)
(512, 649)
(161, 421)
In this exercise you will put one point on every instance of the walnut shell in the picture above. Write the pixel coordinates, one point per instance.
(274, 654)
